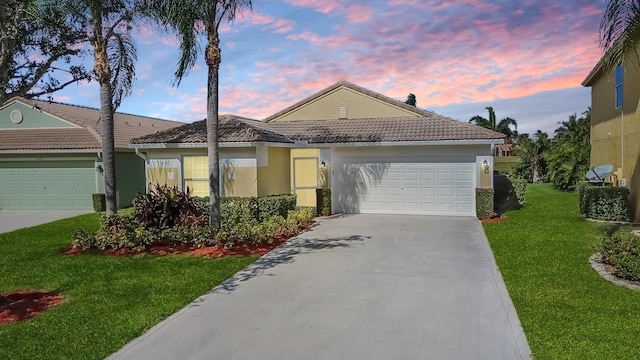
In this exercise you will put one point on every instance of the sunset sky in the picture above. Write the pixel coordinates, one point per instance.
(525, 58)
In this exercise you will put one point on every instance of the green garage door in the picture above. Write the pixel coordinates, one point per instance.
(50, 185)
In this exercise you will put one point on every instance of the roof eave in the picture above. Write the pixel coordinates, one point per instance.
(588, 81)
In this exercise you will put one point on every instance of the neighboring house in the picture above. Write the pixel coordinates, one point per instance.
(615, 125)
(376, 154)
(50, 155)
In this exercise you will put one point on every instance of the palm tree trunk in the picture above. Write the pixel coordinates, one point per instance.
(213, 58)
(108, 149)
(103, 75)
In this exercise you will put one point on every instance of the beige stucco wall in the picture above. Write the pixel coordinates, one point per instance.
(608, 123)
(275, 177)
(358, 106)
(243, 182)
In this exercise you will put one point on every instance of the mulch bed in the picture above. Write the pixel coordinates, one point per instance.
(25, 304)
(163, 250)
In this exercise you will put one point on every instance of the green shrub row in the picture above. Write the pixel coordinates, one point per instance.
(235, 210)
(125, 231)
(621, 251)
(484, 203)
(520, 188)
(604, 202)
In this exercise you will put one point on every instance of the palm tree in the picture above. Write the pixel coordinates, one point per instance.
(504, 126)
(108, 22)
(191, 19)
(620, 32)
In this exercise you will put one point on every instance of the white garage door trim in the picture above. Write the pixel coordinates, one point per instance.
(427, 188)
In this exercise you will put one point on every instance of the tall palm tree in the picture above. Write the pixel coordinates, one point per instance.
(504, 126)
(108, 22)
(620, 32)
(192, 19)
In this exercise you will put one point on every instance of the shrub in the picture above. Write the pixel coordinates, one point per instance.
(99, 202)
(323, 202)
(166, 206)
(484, 203)
(604, 202)
(236, 210)
(272, 205)
(520, 187)
(621, 250)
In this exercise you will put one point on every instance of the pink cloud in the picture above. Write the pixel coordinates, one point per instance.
(324, 6)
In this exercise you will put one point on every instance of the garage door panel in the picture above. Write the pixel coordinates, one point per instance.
(407, 188)
(49, 185)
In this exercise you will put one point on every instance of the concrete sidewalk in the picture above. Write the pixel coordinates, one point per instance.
(355, 287)
(11, 220)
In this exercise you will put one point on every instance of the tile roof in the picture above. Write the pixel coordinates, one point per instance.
(231, 128)
(396, 129)
(126, 128)
(350, 85)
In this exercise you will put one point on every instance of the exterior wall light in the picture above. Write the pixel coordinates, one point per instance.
(485, 166)
(323, 165)
(100, 169)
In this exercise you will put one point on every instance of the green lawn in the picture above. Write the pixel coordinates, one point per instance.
(566, 309)
(108, 301)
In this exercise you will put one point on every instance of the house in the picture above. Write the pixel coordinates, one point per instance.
(615, 125)
(376, 154)
(50, 155)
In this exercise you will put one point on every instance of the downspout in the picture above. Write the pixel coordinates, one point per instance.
(141, 155)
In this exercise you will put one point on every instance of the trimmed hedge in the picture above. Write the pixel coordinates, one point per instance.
(99, 202)
(621, 251)
(604, 202)
(520, 187)
(234, 210)
(484, 203)
(323, 202)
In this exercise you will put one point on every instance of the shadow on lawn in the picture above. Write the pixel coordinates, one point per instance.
(283, 254)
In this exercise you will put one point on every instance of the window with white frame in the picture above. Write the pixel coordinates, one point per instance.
(619, 76)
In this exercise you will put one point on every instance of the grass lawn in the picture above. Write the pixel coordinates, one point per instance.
(567, 310)
(108, 301)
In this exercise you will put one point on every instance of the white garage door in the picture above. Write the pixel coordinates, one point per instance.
(406, 188)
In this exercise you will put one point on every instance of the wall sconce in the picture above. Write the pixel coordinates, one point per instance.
(485, 166)
(323, 165)
(100, 169)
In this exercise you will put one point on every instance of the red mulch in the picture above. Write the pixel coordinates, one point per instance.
(494, 220)
(162, 250)
(25, 304)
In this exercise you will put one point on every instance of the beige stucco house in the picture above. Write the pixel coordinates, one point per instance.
(615, 124)
(376, 154)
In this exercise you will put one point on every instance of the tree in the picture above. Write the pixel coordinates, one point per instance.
(37, 43)
(191, 19)
(532, 163)
(504, 126)
(568, 158)
(411, 100)
(108, 22)
(620, 32)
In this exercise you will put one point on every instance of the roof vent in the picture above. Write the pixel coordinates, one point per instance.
(16, 116)
(342, 111)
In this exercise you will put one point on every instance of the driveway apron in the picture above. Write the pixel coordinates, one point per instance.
(11, 220)
(354, 287)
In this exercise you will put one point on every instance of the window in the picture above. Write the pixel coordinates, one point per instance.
(196, 175)
(619, 75)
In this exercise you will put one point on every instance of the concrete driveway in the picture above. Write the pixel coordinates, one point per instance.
(355, 287)
(17, 219)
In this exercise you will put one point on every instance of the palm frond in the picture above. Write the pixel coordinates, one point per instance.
(122, 55)
(620, 32)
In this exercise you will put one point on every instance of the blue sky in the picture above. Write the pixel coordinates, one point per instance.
(525, 58)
